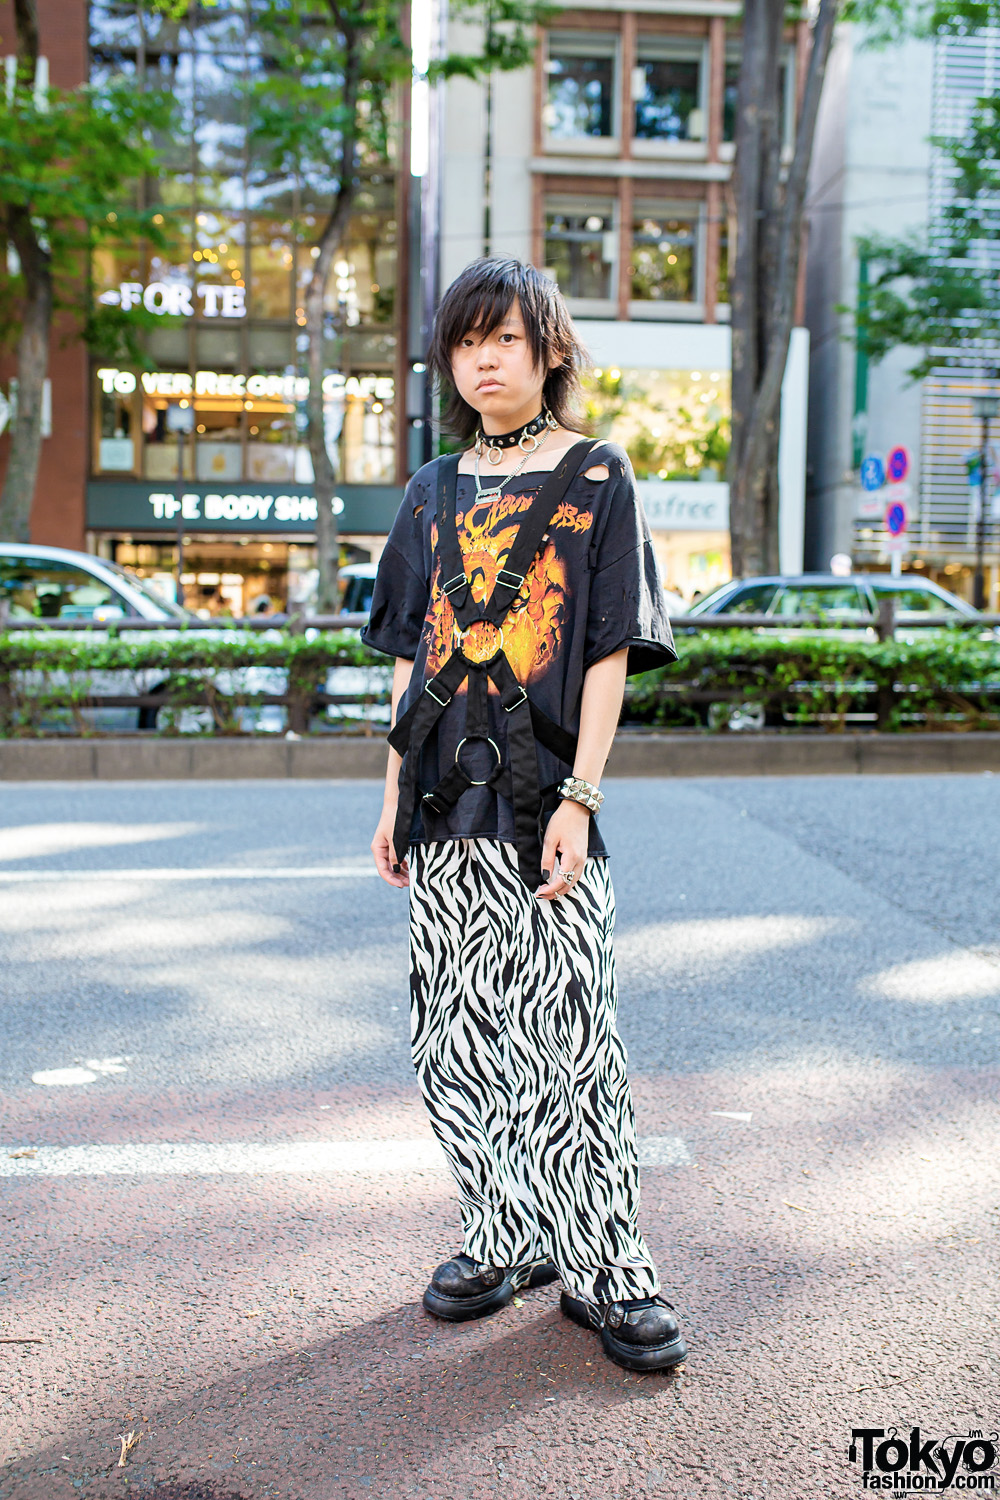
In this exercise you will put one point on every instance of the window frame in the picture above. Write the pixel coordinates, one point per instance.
(667, 311)
(680, 49)
(584, 44)
(575, 203)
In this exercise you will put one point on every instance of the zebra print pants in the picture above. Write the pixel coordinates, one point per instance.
(519, 1060)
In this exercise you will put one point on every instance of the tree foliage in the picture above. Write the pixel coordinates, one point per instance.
(937, 291)
(326, 114)
(64, 155)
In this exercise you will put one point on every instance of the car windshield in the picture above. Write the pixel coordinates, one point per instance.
(706, 604)
(149, 592)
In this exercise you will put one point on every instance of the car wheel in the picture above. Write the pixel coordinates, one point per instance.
(738, 718)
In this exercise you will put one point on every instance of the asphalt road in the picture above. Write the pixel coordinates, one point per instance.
(220, 1199)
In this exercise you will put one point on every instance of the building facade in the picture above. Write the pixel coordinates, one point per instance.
(128, 471)
(609, 165)
(607, 162)
(876, 171)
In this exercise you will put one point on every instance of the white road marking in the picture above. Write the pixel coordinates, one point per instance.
(237, 1158)
(732, 1114)
(87, 1072)
(307, 872)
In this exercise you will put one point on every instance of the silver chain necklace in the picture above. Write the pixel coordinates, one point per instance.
(494, 491)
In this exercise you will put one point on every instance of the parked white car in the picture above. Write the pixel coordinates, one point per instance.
(45, 584)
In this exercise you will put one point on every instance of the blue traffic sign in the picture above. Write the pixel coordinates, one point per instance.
(896, 518)
(898, 465)
(872, 472)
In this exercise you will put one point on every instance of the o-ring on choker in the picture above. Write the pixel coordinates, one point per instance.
(526, 438)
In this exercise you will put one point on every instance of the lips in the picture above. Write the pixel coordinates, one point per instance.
(489, 385)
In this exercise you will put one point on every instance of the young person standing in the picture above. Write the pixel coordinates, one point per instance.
(517, 590)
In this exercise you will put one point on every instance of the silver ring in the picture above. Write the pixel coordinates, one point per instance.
(569, 876)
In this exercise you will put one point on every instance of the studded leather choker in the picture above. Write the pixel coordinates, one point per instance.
(525, 438)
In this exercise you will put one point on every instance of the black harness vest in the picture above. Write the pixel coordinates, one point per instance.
(479, 657)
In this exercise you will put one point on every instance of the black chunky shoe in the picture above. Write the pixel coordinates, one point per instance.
(641, 1335)
(463, 1288)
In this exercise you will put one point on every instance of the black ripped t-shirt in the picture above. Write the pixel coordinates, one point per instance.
(593, 589)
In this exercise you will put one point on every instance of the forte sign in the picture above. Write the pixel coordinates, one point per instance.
(175, 298)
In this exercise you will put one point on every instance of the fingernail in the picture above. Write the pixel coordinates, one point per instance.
(546, 876)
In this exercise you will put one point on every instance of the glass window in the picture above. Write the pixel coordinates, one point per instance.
(664, 256)
(368, 437)
(38, 589)
(271, 264)
(754, 600)
(273, 442)
(730, 96)
(835, 601)
(722, 275)
(220, 129)
(580, 247)
(580, 89)
(916, 600)
(117, 445)
(218, 433)
(673, 423)
(220, 266)
(667, 91)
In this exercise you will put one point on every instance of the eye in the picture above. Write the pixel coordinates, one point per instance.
(510, 336)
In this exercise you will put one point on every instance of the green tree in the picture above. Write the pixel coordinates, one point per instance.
(64, 155)
(938, 291)
(770, 205)
(325, 113)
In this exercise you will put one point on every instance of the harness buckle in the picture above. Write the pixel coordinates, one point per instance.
(429, 688)
(511, 580)
(454, 584)
(510, 707)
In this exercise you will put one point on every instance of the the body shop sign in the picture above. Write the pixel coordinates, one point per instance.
(129, 506)
(249, 508)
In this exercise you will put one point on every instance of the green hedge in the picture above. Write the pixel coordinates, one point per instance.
(47, 681)
(943, 680)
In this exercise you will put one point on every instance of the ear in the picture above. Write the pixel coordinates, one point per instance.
(556, 358)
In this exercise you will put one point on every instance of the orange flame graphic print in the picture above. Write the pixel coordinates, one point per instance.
(533, 627)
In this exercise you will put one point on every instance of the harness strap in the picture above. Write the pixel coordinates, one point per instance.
(531, 528)
(526, 723)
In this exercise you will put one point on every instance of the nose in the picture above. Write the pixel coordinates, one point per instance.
(487, 356)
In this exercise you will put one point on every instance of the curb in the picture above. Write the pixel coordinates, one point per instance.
(363, 758)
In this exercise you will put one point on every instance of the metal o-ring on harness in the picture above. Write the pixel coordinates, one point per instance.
(493, 745)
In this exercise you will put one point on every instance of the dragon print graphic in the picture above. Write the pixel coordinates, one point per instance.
(533, 628)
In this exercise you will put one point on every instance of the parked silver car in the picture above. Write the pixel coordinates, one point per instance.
(832, 598)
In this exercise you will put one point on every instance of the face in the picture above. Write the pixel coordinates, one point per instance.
(496, 375)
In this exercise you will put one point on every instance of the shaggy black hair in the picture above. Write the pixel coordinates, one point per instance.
(477, 301)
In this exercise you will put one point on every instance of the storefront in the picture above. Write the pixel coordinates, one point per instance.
(244, 548)
(202, 441)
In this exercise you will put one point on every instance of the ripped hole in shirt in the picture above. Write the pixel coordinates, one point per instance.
(598, 472)
(417, 509)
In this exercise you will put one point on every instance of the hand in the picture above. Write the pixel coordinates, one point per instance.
(566, 837)
(383, 851)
